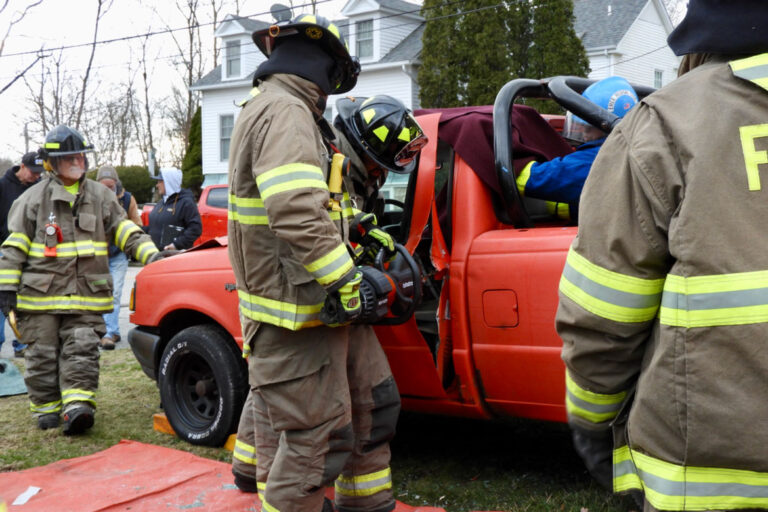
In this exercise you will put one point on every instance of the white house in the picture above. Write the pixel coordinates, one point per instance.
(627, 38)
(624, 37)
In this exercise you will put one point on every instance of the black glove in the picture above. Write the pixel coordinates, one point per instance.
(343, 306)
(364, 230)
(7, 301)
(596, 450)
(160, 255)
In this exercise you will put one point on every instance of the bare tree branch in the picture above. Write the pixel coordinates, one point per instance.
(14, 21)
(100, 11)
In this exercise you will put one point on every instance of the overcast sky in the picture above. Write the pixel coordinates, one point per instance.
(56, 23)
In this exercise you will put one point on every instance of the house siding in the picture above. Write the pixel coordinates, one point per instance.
(392, 82)
(216, 103)
(647, 40)
(392, 31)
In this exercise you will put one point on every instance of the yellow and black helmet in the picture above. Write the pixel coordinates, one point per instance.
(61, 141)
(317, 31)
(383, 128)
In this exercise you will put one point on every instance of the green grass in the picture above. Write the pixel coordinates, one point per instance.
(456, 464)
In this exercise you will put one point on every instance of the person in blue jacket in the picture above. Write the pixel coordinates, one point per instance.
(560, 180)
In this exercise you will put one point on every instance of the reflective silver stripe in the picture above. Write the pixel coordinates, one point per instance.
(669, 486)
(18, 240)
(332, 266)
(123, 231)
(611, 295)
(290, 177)
(54, 406)
(245, 453)
(77, 395)
(282, 314)
(145, 250)
(591, 406)
(247, 210)
(754, 73)
(10, 276)
(364, 485)
(64, 302)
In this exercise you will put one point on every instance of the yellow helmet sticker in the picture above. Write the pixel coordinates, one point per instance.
(368, 115)
(405, 135)
(334, 30)
(382, 132)
(308, 18)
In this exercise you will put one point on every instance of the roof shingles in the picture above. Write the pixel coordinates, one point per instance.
(602, 23)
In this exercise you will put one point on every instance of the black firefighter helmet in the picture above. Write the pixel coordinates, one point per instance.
(382, 128)
(317, 31)
(61, 141)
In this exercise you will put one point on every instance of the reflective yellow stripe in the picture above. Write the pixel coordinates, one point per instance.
(524, 176)
(18, 240)
(364, 485)
(708, 301)
(331, 267)
(10, 276)
(254, 92)
(754, 69)
(281, 314)
(266, 506)
(668, 486)
(347, 210)
(50, 407)
(77, 395)
(290, 177)
(145, 250)
(52, 145)
(247, 210)
(561, 210)
(591, 406)
(123, 231)
(245, 452)
(70, 249)
(608, 294)
(78, 302)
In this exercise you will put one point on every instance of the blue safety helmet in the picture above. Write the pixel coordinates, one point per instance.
(613, 94)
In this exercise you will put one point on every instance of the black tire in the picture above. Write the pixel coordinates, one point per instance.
(203, 382)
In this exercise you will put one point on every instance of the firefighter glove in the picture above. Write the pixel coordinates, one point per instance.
(343, 306)
(7, 301)
(364, 230)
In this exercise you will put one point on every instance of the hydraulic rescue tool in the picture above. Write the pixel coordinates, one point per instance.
(389, 291)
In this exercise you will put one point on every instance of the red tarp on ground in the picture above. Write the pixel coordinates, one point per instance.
(137, 477)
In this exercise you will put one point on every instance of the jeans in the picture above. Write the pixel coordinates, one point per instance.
(17, 345)
(118, 265)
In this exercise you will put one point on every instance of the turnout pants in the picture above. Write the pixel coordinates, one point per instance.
(322, 409)
(62, 360)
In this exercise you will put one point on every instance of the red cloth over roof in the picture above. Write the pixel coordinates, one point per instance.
(469, 131)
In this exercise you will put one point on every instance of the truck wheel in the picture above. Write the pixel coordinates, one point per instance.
(203, 383)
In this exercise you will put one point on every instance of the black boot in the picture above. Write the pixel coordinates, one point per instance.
(46, 421)
(245, 483)
(328, 505)
(77, 420)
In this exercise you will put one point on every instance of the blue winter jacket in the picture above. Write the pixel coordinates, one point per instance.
(560, 179)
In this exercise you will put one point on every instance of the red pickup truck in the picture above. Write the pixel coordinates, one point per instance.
(482, 342)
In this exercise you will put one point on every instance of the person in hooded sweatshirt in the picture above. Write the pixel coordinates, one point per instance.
(174, 222)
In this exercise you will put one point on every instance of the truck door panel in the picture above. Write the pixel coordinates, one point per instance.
(512, 282)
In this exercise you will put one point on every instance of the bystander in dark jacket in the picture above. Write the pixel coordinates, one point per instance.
(174, 222)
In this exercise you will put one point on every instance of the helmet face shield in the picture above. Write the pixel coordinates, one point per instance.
(411, 151)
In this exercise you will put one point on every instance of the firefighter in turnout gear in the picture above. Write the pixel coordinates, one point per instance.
(664, 296)
(361, 186)
(323, 404)
(54, 273)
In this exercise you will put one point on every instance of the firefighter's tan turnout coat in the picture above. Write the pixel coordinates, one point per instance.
(664, 295)
(66, 279)
(323, 403)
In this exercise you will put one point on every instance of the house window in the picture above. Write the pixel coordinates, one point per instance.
(657, 78)
(233, 58)
(226, 123)
(364, 35)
